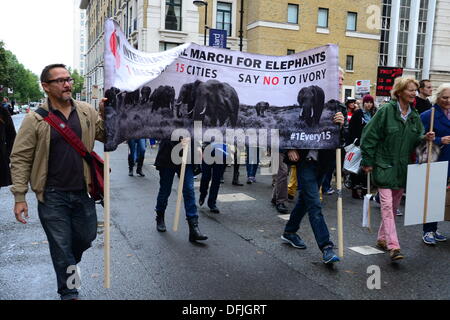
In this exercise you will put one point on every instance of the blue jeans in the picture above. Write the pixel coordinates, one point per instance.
(326, 185)
(214, 171)
(252, 161)
(165, 188)
(137, 148)
(69, 220)
(430, 227)
(309, 202)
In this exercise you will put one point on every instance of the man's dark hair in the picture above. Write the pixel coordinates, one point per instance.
(422, 83)
(45, 75)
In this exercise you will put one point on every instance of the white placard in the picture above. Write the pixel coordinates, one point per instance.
(366, 250)
(415, 192)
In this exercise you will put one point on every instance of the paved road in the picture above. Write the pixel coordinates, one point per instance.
(243, 258)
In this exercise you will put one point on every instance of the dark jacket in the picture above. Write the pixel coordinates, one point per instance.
(356, 127)
(387, 143)
(441, 129)
(7, 136)
(326, 157)
(422, 105)
(164, 155)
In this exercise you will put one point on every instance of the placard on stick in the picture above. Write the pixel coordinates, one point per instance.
(415, 193)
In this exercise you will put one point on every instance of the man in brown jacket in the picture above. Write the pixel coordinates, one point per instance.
(58, 175)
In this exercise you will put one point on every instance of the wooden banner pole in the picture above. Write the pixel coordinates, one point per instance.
(185, 143)
(106, 223)
(339, 203)
(427, 178)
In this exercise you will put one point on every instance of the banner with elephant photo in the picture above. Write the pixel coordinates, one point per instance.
(152, 94)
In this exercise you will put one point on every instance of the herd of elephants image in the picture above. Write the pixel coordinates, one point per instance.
(156, 112)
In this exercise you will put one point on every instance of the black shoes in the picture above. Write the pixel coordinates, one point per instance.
(130, 171)
(214, 210)
(160, 225)
(194, 231)
(237, 183)
(281, 208)
(140, 163)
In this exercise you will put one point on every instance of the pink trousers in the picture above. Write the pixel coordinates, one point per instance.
(390, 201)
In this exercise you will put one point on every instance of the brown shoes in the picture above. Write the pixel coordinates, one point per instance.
(395, 254)
(381, 244)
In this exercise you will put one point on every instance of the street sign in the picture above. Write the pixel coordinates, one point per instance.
(385, 79)
(218, 38)
(362, 88)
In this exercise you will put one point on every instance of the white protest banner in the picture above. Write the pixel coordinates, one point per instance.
(152, 94)
(415, 192)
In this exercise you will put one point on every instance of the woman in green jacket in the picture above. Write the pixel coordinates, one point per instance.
(387, 143)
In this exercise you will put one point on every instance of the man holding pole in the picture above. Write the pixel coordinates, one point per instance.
(58, 175)
(312, 165)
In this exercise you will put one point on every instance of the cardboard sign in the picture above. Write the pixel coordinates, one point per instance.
(385, 79)
(415, 193)
(447, 206)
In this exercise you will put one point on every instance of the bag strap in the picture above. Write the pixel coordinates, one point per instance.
(64, 130)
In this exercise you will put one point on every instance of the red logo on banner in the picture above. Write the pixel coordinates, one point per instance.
(114, 45)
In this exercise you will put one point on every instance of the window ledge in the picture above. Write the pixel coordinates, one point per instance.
(350, 71)
(276, 25)
(361, 35)
(173, 32)
(322, 30)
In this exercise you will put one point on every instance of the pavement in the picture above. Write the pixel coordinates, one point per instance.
(243, 259)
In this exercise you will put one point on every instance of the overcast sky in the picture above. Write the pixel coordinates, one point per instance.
(38, 32)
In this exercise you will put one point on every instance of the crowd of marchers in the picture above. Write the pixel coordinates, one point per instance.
(387, 135)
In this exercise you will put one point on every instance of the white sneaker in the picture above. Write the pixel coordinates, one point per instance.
(398, 213)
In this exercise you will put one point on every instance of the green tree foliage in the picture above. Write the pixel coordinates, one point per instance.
(78, 82)
(14, 75)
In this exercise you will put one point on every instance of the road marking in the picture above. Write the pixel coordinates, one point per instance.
(284, 216)
(366, 250)
(231, 197)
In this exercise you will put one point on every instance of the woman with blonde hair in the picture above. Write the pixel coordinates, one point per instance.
(387, 143)
(441, 101)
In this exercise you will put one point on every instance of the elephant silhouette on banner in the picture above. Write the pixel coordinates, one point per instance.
(311, 101)
(215, 102)
(163, 97)
(261, 107)
(186, 96)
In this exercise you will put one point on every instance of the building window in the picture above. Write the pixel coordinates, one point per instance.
(385, 28)
(402, 46)
(224, 17)
(348, 93)
(421, 33)
(163, 46)
(293, 13)
(290, 51)
(322, 18)
(352, 17)
(349, 63)
(173, 15)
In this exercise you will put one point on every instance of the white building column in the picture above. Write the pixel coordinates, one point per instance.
(393, 33)
(429, 39)
(412, 35)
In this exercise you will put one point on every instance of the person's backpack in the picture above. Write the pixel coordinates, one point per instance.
(95, 162)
